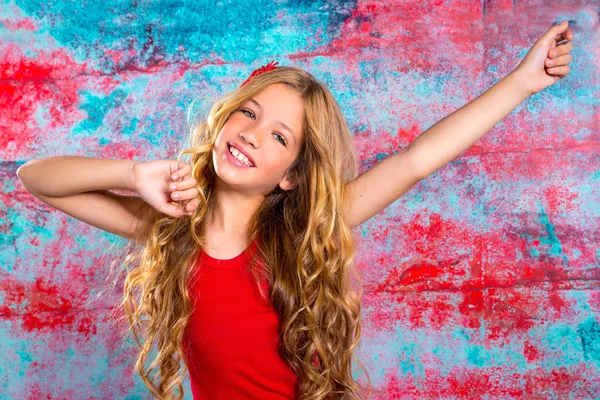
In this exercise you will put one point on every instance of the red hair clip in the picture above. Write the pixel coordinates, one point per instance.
(260, 70)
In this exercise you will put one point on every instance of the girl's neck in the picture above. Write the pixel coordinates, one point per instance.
(232, 213)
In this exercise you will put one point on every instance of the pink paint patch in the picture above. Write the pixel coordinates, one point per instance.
(13, 25)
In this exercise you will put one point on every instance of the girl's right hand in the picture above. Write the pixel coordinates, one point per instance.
(152, 180)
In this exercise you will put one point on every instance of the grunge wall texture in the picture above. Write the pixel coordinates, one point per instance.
(483, 281)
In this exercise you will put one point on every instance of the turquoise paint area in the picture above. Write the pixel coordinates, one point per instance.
(478, 356)
(96, 108)
(17, 356)
(19, 238)
(589, 334)
(551, 241)
(563, 344)
(189, 31)
(411, 351)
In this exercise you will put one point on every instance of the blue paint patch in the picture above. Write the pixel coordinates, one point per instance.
(188, 30)
(96, 108)
(462, 334)
(454, 200)
(589, 334)
(551, 240)
(478, 355)
(409, 360)
(131, 128)
(562, 346)
(534, 252)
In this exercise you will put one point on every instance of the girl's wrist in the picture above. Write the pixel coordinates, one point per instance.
(131, 182)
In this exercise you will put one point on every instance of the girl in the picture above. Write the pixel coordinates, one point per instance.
(253, 290)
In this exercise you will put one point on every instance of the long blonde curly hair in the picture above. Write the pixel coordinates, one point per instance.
(305, 244)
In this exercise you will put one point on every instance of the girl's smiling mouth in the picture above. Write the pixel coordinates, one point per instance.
(238, 158)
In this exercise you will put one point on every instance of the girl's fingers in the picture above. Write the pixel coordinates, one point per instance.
(191, 205)
(187, 194)
(557, 62)
(569, 34)
(181, 212)
(173, 209)
(178, 211)
(186, 183)
(560, 50)
(564, 70)
(184, 203)
(183, 170)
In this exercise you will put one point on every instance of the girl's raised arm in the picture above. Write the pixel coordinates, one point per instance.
(377, 188)
(544, 65)
(78, 186)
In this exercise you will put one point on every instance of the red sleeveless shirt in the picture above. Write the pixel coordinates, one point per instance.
(233, 335)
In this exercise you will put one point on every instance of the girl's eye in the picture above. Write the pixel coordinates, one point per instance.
(248, 111)
(282, 141)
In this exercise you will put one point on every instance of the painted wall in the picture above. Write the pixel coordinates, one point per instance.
(483, 281)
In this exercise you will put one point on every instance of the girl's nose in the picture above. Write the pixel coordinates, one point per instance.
(250, 138)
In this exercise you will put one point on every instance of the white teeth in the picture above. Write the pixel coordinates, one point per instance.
(239, 156)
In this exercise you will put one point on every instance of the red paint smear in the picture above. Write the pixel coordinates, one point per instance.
(433, 311)
(367, 148)
(510, 312)
(422, 277)
(518, 294)
(407, 27)
(434, 239)
(493, 284)
(50, 81)
(577, 381)
(54, 298)
(412, 274)
(27, 84)
(48, 306)
(559, 199)
(471, 309)
(531, 352)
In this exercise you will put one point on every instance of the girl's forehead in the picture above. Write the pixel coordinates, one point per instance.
(277, 90)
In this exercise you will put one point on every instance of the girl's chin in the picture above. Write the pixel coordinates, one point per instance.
(233, 178)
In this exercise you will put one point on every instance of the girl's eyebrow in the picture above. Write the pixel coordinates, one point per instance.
(279, 122)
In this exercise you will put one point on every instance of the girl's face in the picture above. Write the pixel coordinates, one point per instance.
(257, 129)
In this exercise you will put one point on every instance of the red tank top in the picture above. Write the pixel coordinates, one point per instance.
(233, 334)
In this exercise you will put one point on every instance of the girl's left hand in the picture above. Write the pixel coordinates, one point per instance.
(546, 62)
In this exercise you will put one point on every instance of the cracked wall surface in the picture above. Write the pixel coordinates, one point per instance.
(483, 281)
